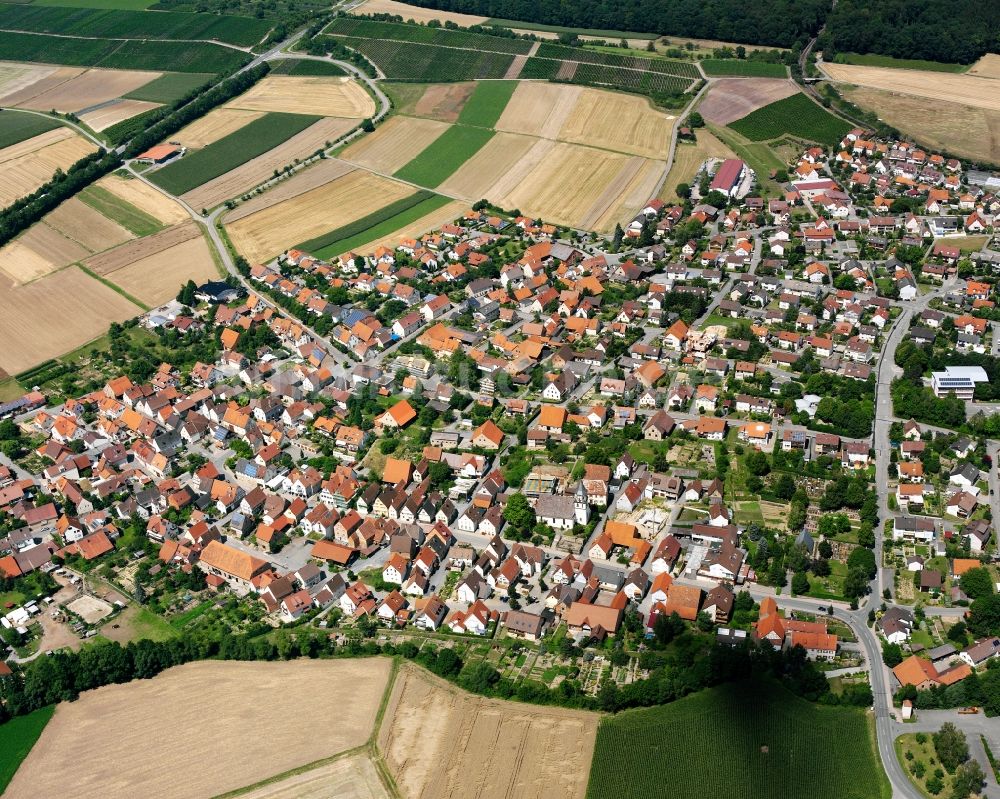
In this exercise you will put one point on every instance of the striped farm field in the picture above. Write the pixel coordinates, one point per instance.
(394, 143)
(419, 34)
(248, 142)
(561, 52)
(310, 94)
(444, 155)
(428, 63)
(728, 67)
(31, 163)
(272, 230)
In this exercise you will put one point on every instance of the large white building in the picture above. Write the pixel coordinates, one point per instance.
(958, 380)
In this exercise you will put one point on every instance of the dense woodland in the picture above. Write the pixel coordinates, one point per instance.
(781, 23)
(937, 30)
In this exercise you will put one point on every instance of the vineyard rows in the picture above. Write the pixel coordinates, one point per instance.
(426, 63)
(653, 83)
(563, 53)
(418, 34)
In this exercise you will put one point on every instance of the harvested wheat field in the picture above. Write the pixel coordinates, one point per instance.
(689, 157)
(39, 84)
(145, 198)
(539, 109)
(522, 170)
(250, 721)
(734, 98)
(394, 144)
(443, 101)
(273, 230)
(622, 122)
(93, 87)
(477, 176)
(83, 307)
(416, 13)
(30, 163)
(15, 77)
(633, 195)
(80, 222)
(317, 95)
(350, 777)
(594, 175)
(977, 92)
(442, 743)
(317, 174)
(967, 132)
(216, 124)
(21, 261)
(259, 169)
(138, 249)
(986, 67)
(432, 221)
(115, 112)
(158, 277)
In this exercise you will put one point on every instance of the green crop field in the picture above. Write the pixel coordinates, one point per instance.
(421, 34)
(796, 115)
(125, 24)
(443, 156)
(127, 128)
(720, 67)
(16, 126)
(540, 69)
(17, 737)
(120, 53)
(487, 102)
(124, 213)
(604, 58)
(127, 5)
(754, 739)
(294, 66)
(428, 63)
(201, 166)
(374, 226)
(169, 87)
(873, 60)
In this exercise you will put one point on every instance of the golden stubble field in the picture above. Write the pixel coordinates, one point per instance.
(394, 144)
(960, 129)
(204, 729)
(272, 230)
(93, 87)
(442, 743)
(52, 316)
(27, 165)
(157, 277)
(966, 89)
(416, 13)
(317, 95)
(107, 115)
(145, 198)
(216, 124)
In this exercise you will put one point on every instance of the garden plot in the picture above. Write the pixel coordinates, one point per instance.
(83, 307)
(271, 231)
(259, 169)
(732, 99)
(326, 96)
(442, 743)
(216, 124)
(313, 708)
(394, 144)
(90, 88)
(29, 164)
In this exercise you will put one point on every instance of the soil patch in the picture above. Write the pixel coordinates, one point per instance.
(733, 98)
(443, 101)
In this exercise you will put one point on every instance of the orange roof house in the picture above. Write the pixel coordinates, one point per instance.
(229, 337)
(487, 436)
(552, 417)
(397, 470)
(684, 600)
(399, 415)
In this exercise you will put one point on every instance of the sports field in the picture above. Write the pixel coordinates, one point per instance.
(241, 737)
(767, 739)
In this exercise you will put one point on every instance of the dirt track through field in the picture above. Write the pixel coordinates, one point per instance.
(394, 144)
(83, 307)
(442, 743)
(261, 168)
(136, 250)
(246, 721)
(269, 232)
(978, 92)
(733, 98)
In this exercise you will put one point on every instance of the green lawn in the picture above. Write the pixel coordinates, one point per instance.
(487, 102)
(796, 115)
(762, 737)
(873, 60)
(124, 213)
(16, 126)
(375, 226)
(170, 87)
(149, 625)
(17, 737)
(743, 67)
(229, 152)
(443, 156)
